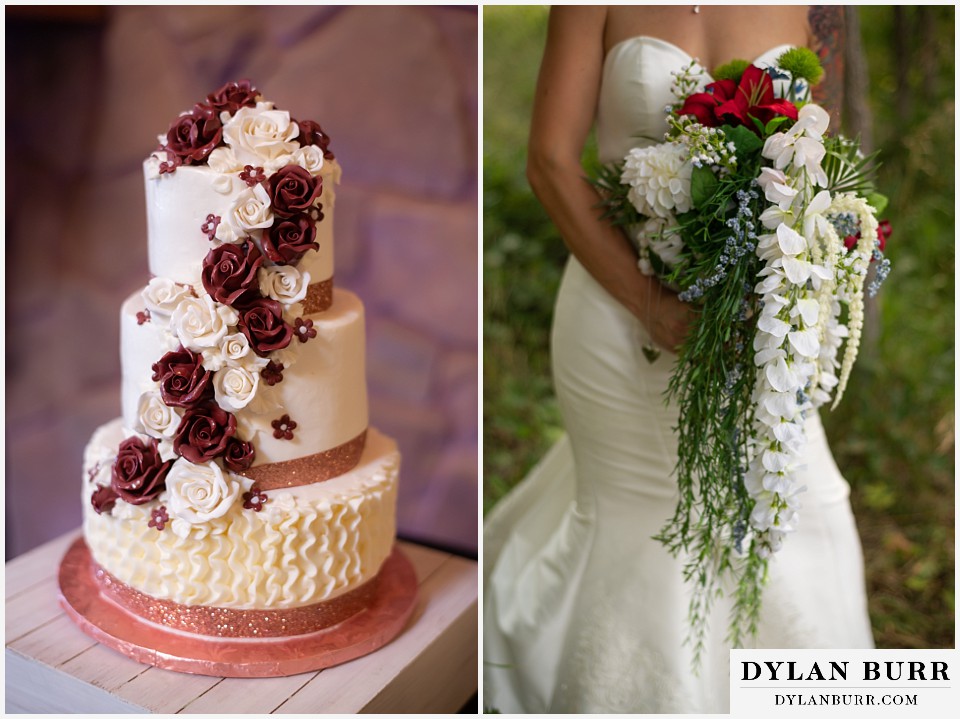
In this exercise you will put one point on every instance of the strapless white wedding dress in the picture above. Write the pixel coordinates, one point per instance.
(583, 611)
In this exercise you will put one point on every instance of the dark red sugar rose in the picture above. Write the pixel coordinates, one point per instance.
(204, 433)
(292, 190)
(287, 241)
(139, 474)
(239, 455)
(193, 136)
(229, 273)
(261, 321)
(232, 96)
(312, 134)
(183, 380)
(103, 499)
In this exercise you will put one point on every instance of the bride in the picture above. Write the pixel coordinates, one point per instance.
(583, 611)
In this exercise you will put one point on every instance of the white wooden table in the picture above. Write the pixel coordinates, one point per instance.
(51, 666)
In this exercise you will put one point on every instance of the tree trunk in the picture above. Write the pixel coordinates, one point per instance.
(927, 60)
(903, 97)
(858, 117)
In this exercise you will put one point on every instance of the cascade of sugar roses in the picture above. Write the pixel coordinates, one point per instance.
(767, 225)
(231, 332)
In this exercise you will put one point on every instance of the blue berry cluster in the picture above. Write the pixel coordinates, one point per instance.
(845, 223)
(883, 269)
(740, 242)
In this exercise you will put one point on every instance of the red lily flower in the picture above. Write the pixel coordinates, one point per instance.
(726, 103)
(703, 105)
(754, 98)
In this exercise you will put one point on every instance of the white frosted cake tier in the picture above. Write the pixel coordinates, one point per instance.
(323, 390)
(179, 202)
(306, 545)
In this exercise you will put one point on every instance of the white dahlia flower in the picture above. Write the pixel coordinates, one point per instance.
(659, 179)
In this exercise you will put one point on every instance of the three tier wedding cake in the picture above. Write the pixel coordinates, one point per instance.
(242, 492)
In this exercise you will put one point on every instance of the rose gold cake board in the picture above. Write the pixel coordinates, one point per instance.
(148, 643)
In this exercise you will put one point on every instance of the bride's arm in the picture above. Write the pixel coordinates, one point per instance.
(564, 108)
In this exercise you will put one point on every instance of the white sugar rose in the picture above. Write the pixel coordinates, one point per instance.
(233, 351)
(235, 387)
(283, 283)
(310, 158)
(222, 159)
(199, 322)
(251, 211)
(659, 179)
(235, 348)
(198, 493)
(258, 135)
(155, 418)
(162, 295)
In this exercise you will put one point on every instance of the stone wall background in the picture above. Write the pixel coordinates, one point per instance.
(88, 90)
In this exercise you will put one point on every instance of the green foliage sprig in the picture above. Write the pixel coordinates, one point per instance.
(712, 386)
(732, 70)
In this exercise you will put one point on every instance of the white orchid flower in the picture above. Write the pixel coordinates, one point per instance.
(805, 342)
(781, 376)
(808, 154)
(808, 310)
(790, 241)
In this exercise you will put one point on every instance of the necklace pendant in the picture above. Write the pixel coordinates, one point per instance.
(650, 352)
(696, 9)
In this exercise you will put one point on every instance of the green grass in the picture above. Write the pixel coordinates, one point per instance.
(892, 435)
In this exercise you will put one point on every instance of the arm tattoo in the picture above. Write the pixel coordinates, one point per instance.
(826, 24)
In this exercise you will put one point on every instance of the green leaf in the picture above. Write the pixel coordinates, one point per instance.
(746, 142)
(774, 124)
(703, 185)
(877, 201)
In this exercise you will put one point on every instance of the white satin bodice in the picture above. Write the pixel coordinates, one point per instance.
(635, 90)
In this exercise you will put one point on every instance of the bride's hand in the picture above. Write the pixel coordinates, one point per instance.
(668, 320)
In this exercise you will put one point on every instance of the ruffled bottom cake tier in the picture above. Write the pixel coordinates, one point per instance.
(303, 545)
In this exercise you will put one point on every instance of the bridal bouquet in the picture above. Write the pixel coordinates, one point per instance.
(752, 212)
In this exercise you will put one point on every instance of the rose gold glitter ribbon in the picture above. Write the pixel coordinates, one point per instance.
(225, 622)
(307, 470)
(319, 297)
